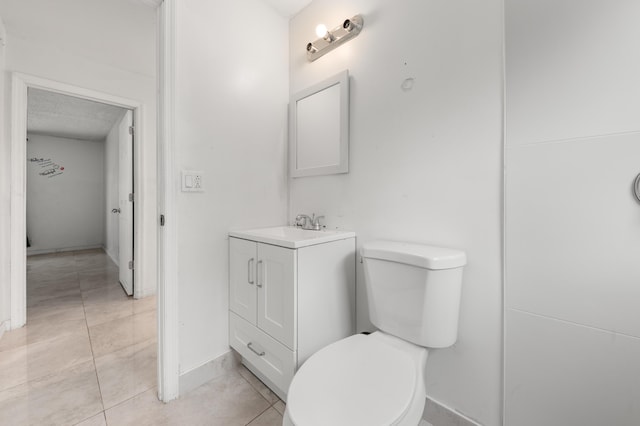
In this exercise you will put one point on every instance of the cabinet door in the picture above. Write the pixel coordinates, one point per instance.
(276, 281)
(242, 278)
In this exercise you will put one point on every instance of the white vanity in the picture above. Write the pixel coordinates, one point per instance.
(291, 292)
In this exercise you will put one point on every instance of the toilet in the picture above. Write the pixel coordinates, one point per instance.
(413, 293)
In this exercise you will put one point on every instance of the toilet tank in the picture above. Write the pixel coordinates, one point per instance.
(413, 290)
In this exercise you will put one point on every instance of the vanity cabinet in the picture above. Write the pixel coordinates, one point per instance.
(288, 299)
(262, 287)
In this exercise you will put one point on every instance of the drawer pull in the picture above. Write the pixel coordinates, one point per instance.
(249, 269)
(260, 275)
(253, 350)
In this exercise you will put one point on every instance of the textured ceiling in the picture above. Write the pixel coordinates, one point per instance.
(65, 116)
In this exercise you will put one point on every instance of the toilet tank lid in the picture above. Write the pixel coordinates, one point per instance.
(423, 256)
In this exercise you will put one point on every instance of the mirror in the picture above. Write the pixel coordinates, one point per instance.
(319, 128)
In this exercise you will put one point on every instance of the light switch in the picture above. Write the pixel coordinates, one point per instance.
(192, 181)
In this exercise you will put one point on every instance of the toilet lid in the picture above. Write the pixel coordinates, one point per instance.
(376, 380)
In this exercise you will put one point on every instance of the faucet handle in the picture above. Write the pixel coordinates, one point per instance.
(301, 220)
(316, 222)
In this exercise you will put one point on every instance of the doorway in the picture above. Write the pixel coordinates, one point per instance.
(21, 84)
(140, 327)
(80, 178)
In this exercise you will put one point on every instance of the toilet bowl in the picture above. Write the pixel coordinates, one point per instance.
(369, 380)
(413, 294)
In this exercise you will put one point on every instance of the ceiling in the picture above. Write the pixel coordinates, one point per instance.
(65, 116)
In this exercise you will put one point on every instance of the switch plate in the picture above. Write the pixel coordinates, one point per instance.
(192, 181)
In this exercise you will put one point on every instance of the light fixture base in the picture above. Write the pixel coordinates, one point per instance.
(337, 36)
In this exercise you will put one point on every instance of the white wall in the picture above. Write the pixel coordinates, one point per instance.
(231, 95)
(108, 47)
(572, 225)
(426, 164)
(5, 198)
(65, 209)
(111, 169)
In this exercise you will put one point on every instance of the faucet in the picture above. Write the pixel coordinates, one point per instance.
(302, 220)
(309, 223)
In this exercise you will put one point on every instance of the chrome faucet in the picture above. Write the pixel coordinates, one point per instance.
(309, 223)
(302, 220)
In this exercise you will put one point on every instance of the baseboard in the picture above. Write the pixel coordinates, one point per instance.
(111, 255)
(212, 369)
(4, 326)
(439, 414)
(32, 252)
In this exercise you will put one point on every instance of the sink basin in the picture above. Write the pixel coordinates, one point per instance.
(291, 236)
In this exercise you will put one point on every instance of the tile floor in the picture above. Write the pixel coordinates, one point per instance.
(88, 357)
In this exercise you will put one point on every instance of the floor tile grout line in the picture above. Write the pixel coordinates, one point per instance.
(77, 279)
(104, 411)
(132, 397)
(25, 345)
(263, 411)
(271, 404)
(93, 356)
(256, 389)
(78, 269)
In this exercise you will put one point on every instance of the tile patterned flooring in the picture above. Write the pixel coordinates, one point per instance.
(88, 357)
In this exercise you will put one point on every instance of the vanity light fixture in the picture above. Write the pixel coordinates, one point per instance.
(329, 40)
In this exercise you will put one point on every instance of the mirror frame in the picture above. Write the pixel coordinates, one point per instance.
(341, 79)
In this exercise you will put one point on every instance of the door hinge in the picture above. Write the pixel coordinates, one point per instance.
(131, 266)
(131, 130)
(161, 220)
(131, 197)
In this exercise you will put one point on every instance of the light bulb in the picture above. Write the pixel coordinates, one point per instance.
(321, 30)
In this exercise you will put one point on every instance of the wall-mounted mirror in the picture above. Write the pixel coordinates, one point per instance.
(319, 128)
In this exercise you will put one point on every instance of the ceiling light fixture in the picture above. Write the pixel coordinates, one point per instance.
(329, 40)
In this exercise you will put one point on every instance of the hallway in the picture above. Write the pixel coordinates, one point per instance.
(88, 356)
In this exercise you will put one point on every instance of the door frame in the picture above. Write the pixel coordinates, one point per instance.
(125, 203)
(167, 266)
(20, 83)
(168, 182)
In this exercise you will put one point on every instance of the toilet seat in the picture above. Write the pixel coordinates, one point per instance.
(380, 378)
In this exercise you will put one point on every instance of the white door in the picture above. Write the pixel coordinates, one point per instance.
(125, 197)
(242, 278)
(276, 281)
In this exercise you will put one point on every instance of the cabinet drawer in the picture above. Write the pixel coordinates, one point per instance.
(271, 358)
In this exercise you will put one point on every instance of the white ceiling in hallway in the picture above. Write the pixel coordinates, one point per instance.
(65, 116)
